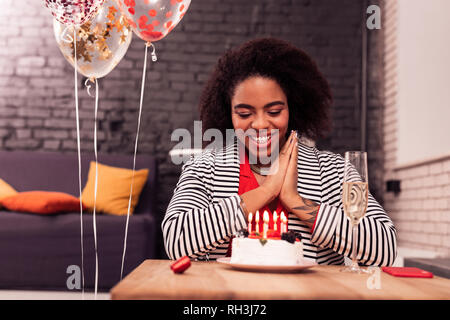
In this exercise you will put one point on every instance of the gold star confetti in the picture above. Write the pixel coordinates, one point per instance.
(91, 40)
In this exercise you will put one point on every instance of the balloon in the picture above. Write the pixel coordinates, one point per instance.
(152, 20)
(73, 12)
(100, 44)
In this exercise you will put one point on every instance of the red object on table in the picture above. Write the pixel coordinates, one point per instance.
(181, 265)
(407, 272)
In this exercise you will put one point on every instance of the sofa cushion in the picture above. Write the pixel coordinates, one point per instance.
(5, 190)
(113, 189)
(41, 202)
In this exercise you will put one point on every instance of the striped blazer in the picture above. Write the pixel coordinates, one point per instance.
(204, 211)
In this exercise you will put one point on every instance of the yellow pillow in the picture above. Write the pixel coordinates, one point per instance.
(6, 190)
(113, 189)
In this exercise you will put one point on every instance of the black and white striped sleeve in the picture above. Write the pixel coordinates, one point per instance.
(376, 240)
(193, 224)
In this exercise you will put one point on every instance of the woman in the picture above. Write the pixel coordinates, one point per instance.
(269, 86)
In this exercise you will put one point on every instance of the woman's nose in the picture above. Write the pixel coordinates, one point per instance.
(260, 122)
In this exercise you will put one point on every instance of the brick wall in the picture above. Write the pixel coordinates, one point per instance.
(36, 83)
(421, 211)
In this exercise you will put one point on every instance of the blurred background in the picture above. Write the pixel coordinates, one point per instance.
(390, 88)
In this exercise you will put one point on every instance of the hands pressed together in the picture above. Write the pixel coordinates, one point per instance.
(282, 182)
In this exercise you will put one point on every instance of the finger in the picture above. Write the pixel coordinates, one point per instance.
(294, 156)
(285, 161)
(293, 145)
(287, 145)
(291, 166)
(282, 161)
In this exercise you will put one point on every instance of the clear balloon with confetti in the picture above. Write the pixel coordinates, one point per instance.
(100, 43)
(152, 20)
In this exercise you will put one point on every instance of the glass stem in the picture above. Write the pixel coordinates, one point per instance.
(354, 253)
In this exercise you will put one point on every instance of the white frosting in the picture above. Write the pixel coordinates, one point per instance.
(273, 252)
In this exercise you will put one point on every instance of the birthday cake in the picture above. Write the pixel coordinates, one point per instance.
(284, 250)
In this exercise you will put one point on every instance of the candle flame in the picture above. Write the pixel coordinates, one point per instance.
(266, 216)
(257, 216)
(250, 217)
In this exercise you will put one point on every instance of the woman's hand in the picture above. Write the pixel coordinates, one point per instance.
(304, 209)
(274, 181)
(288, 193)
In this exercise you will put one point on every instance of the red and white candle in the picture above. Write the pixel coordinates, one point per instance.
(250, 218)
(266, 224)
(257, 221)
(283, 219)
(275, 219)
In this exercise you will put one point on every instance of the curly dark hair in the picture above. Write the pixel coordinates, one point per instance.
(307, 91)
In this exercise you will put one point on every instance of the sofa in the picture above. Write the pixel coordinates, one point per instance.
(36, 250)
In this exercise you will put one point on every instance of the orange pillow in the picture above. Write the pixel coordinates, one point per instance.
(42, 202)
(5, 190)
(113, 189)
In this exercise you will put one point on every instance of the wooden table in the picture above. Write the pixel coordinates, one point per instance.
(154, 279)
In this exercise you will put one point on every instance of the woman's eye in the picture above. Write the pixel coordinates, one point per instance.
(273, 113)
(244, 115)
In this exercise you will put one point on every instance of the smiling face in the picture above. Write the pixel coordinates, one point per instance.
(260, 104)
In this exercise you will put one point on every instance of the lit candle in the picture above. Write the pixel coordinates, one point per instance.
(275, 218)
(257, 221)
(283, 222)
(250, 217)
(266, 224)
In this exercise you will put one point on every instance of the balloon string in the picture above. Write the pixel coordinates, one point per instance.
(135, 150)
(79, 163)
(88, 86)
(95, 189)
(152, 53)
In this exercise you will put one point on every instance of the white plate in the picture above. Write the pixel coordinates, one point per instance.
(305, 264)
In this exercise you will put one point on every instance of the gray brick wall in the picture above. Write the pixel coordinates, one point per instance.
(36, 83)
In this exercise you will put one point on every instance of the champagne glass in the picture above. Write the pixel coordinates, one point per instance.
(355, 194)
